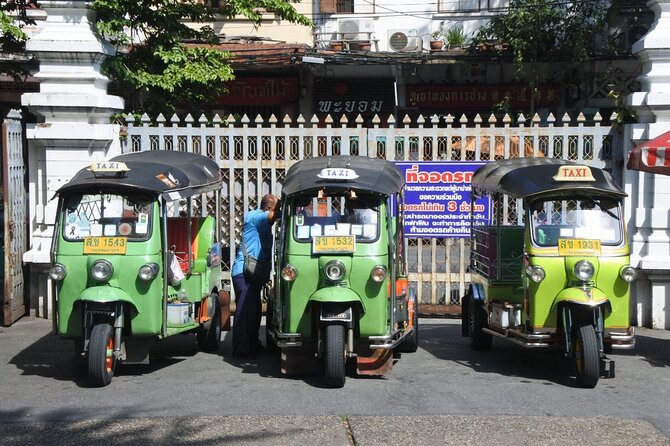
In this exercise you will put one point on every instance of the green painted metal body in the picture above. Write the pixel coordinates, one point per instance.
(144, 300)
(540, 310)
(370, 298)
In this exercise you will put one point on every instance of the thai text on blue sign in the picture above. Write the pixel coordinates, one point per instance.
(437, 198)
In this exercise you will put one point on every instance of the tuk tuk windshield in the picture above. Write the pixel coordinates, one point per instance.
(582, 218)
(109, 215)
(336, 215)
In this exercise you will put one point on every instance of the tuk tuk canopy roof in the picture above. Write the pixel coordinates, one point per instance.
(174, 174)
(528, 177)
(374, 175)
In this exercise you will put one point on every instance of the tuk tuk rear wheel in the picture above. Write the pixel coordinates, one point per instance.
(335, 356)
(209, 339)
(101, 360)
(587, 356)
(411, 342)
(476, 322)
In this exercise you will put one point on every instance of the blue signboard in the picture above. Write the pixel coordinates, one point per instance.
(437, 198)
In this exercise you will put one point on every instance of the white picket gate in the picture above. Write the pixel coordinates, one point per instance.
(254, 156)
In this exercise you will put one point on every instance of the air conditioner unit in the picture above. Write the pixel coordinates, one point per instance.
(355, 29)
(404, 40)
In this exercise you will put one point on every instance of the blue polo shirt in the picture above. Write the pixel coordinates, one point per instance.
(257, 236)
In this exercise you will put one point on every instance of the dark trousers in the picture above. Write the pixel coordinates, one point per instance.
(247, 320)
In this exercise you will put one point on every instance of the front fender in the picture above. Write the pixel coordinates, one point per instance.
(336, 295)
(591, 297)
(104, 294)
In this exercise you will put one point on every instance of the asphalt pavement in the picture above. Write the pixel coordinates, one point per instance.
(443, 394)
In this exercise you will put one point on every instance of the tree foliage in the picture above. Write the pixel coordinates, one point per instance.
(540, 30)
(153, 58)
(13, 18)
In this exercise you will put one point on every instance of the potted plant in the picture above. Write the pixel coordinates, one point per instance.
(456, 37)
(437, 40)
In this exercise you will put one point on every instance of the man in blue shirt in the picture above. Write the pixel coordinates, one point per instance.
(257, 237)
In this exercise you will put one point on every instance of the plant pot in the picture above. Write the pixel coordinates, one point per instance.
(436, 45)
(365, 46)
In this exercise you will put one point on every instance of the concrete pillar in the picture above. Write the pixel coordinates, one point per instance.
(649, 194)
(74, 111)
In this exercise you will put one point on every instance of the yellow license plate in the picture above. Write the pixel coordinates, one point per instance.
(578, 247)
(333, 244)
(105, 245)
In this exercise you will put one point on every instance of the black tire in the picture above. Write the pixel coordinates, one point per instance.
(269, 341)
(411, 342)
(586, 355)
(209, 338)
(476, 322)
(101, 360)
(334, 356)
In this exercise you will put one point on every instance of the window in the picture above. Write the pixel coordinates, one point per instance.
(107, 215)
(459, 5)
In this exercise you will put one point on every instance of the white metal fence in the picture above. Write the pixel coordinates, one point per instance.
(254, 156)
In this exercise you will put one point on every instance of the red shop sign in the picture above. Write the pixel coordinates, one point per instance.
(479, 97)
(261, 91)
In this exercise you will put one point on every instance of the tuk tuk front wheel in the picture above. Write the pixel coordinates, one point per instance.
(479, 340)
(210, 338)
(335, 356)
(587, 357)
(101, 360)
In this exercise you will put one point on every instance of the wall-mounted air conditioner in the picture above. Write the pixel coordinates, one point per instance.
(355, 29)
(404, 40)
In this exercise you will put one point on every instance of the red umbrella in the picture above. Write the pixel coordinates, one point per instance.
(652, 156)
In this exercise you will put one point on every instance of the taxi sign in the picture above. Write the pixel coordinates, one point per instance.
(574, 173)
(339, 173)
(333, 244)
(103, 167)
(578, 247)
(105, 245)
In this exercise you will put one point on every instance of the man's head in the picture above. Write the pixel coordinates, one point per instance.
(268, 202)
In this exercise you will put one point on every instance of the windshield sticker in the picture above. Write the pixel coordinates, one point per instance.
(369, 231)
(357, 230)
(299, 220)
(110, 230)
(329, 230)
(316, 230)
(303, 231)
(96, 230)
(72, 231)
(125, 229)
(142, 223)
(84, 225)
(113, 207)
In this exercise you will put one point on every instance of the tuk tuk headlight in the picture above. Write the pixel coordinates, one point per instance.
(584, 270)
(334, 270)
(289, 273)
(378, 273)
(101, 270)
(627, 273)
(57, 272)
(536, 273)
(148, 272)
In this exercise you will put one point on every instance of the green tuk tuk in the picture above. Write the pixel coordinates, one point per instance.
(552, 267)
(133, 261)
(341, 290)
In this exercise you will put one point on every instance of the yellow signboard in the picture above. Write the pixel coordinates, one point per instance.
(578, 247)
(334, 244)
(105, 245)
